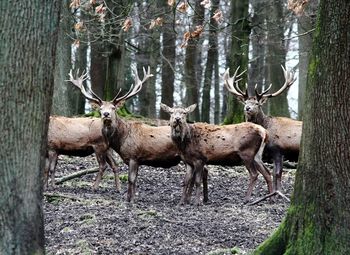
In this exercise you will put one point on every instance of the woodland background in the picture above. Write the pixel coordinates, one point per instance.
(188, 45)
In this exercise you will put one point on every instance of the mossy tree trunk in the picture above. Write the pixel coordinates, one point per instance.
(318, 220)
(27, 58)
(306, 22)
(238, 55)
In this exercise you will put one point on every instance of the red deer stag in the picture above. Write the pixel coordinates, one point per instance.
(284, 133)
(135, 142)
(78, 137)
(202, 143)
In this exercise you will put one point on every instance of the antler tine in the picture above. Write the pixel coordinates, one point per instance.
(289, 80)
(78, 82)
(135, 88)
(263, 92)
(231, 83)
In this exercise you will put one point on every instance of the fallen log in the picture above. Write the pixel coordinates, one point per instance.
(76, 175)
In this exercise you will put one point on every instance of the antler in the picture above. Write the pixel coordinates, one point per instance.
(78, 82)
(135, 88)
(231, 83)
(289, 80)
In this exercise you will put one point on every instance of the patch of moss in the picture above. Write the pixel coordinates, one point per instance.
(123, 177)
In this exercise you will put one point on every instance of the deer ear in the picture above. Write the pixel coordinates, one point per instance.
(166, 108)
(191, 108)
(94, 105)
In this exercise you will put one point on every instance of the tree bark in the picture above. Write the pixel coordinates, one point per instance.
(191, 65)
(212, 58)
(238, 55)
(306, 23)
(318, 219)
(168, 62)
(27, 59)
(67, 101)
(276, 56)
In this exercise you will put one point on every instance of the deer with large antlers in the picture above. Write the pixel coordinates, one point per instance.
(203, 143)
(284, 133)
(135, 142)
(78, 137)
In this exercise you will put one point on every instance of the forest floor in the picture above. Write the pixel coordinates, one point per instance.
(102, 222)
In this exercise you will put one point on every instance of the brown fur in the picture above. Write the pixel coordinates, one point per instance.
(203, 143)
(78, 137)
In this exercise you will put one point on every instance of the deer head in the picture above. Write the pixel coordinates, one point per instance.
(178, 116)
(108, 108)
(252, 104)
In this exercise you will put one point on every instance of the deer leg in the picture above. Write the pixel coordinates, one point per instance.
(187, 185)
(277, 171)
(111, 161)
(132, 178)
(205, 185)
(253, 176)
(52, 158)
(101, 159)
(46, 172)
(198, 181)
(264, 171)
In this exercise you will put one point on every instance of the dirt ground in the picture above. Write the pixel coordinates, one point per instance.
(101, 222)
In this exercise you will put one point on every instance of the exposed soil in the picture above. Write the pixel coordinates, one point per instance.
(102, 222)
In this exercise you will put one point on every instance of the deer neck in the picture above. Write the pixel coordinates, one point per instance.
(114, 132)
(181, 135)
(260, 118)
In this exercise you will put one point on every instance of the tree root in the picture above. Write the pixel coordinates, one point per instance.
(275, 193)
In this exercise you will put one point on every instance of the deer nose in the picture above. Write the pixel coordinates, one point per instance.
(177, 119)
(247, 108)
(106, 114)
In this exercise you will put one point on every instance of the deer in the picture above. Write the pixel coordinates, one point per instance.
(78, 137)
(135, 142)
(284, 133)
(229, 145)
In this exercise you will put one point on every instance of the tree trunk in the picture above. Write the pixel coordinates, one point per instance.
(168, 63)
(191, 65)
(212, 58)
(318, 219)
(257, 40)
(147, 55)
(238, 55)
(276, 56)
(306, 23)
(27, 57)
(67, 101)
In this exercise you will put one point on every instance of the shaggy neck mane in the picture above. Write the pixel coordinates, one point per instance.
(260, 118)
(182, 136)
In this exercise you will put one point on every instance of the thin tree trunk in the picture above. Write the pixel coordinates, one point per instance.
(318, 219)
(65, 97)
(238, 55)
(306, 23)
(27, 56)
(168, 62)
(276, 56)
(191, 64)
(212, 57)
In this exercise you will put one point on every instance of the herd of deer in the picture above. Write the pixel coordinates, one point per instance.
(165, 146)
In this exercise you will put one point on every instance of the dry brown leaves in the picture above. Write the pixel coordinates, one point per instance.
(188, 35)
(127, 24)
(297, 6)
(156, 22)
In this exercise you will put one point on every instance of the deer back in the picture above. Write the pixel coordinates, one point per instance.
(74, 134)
